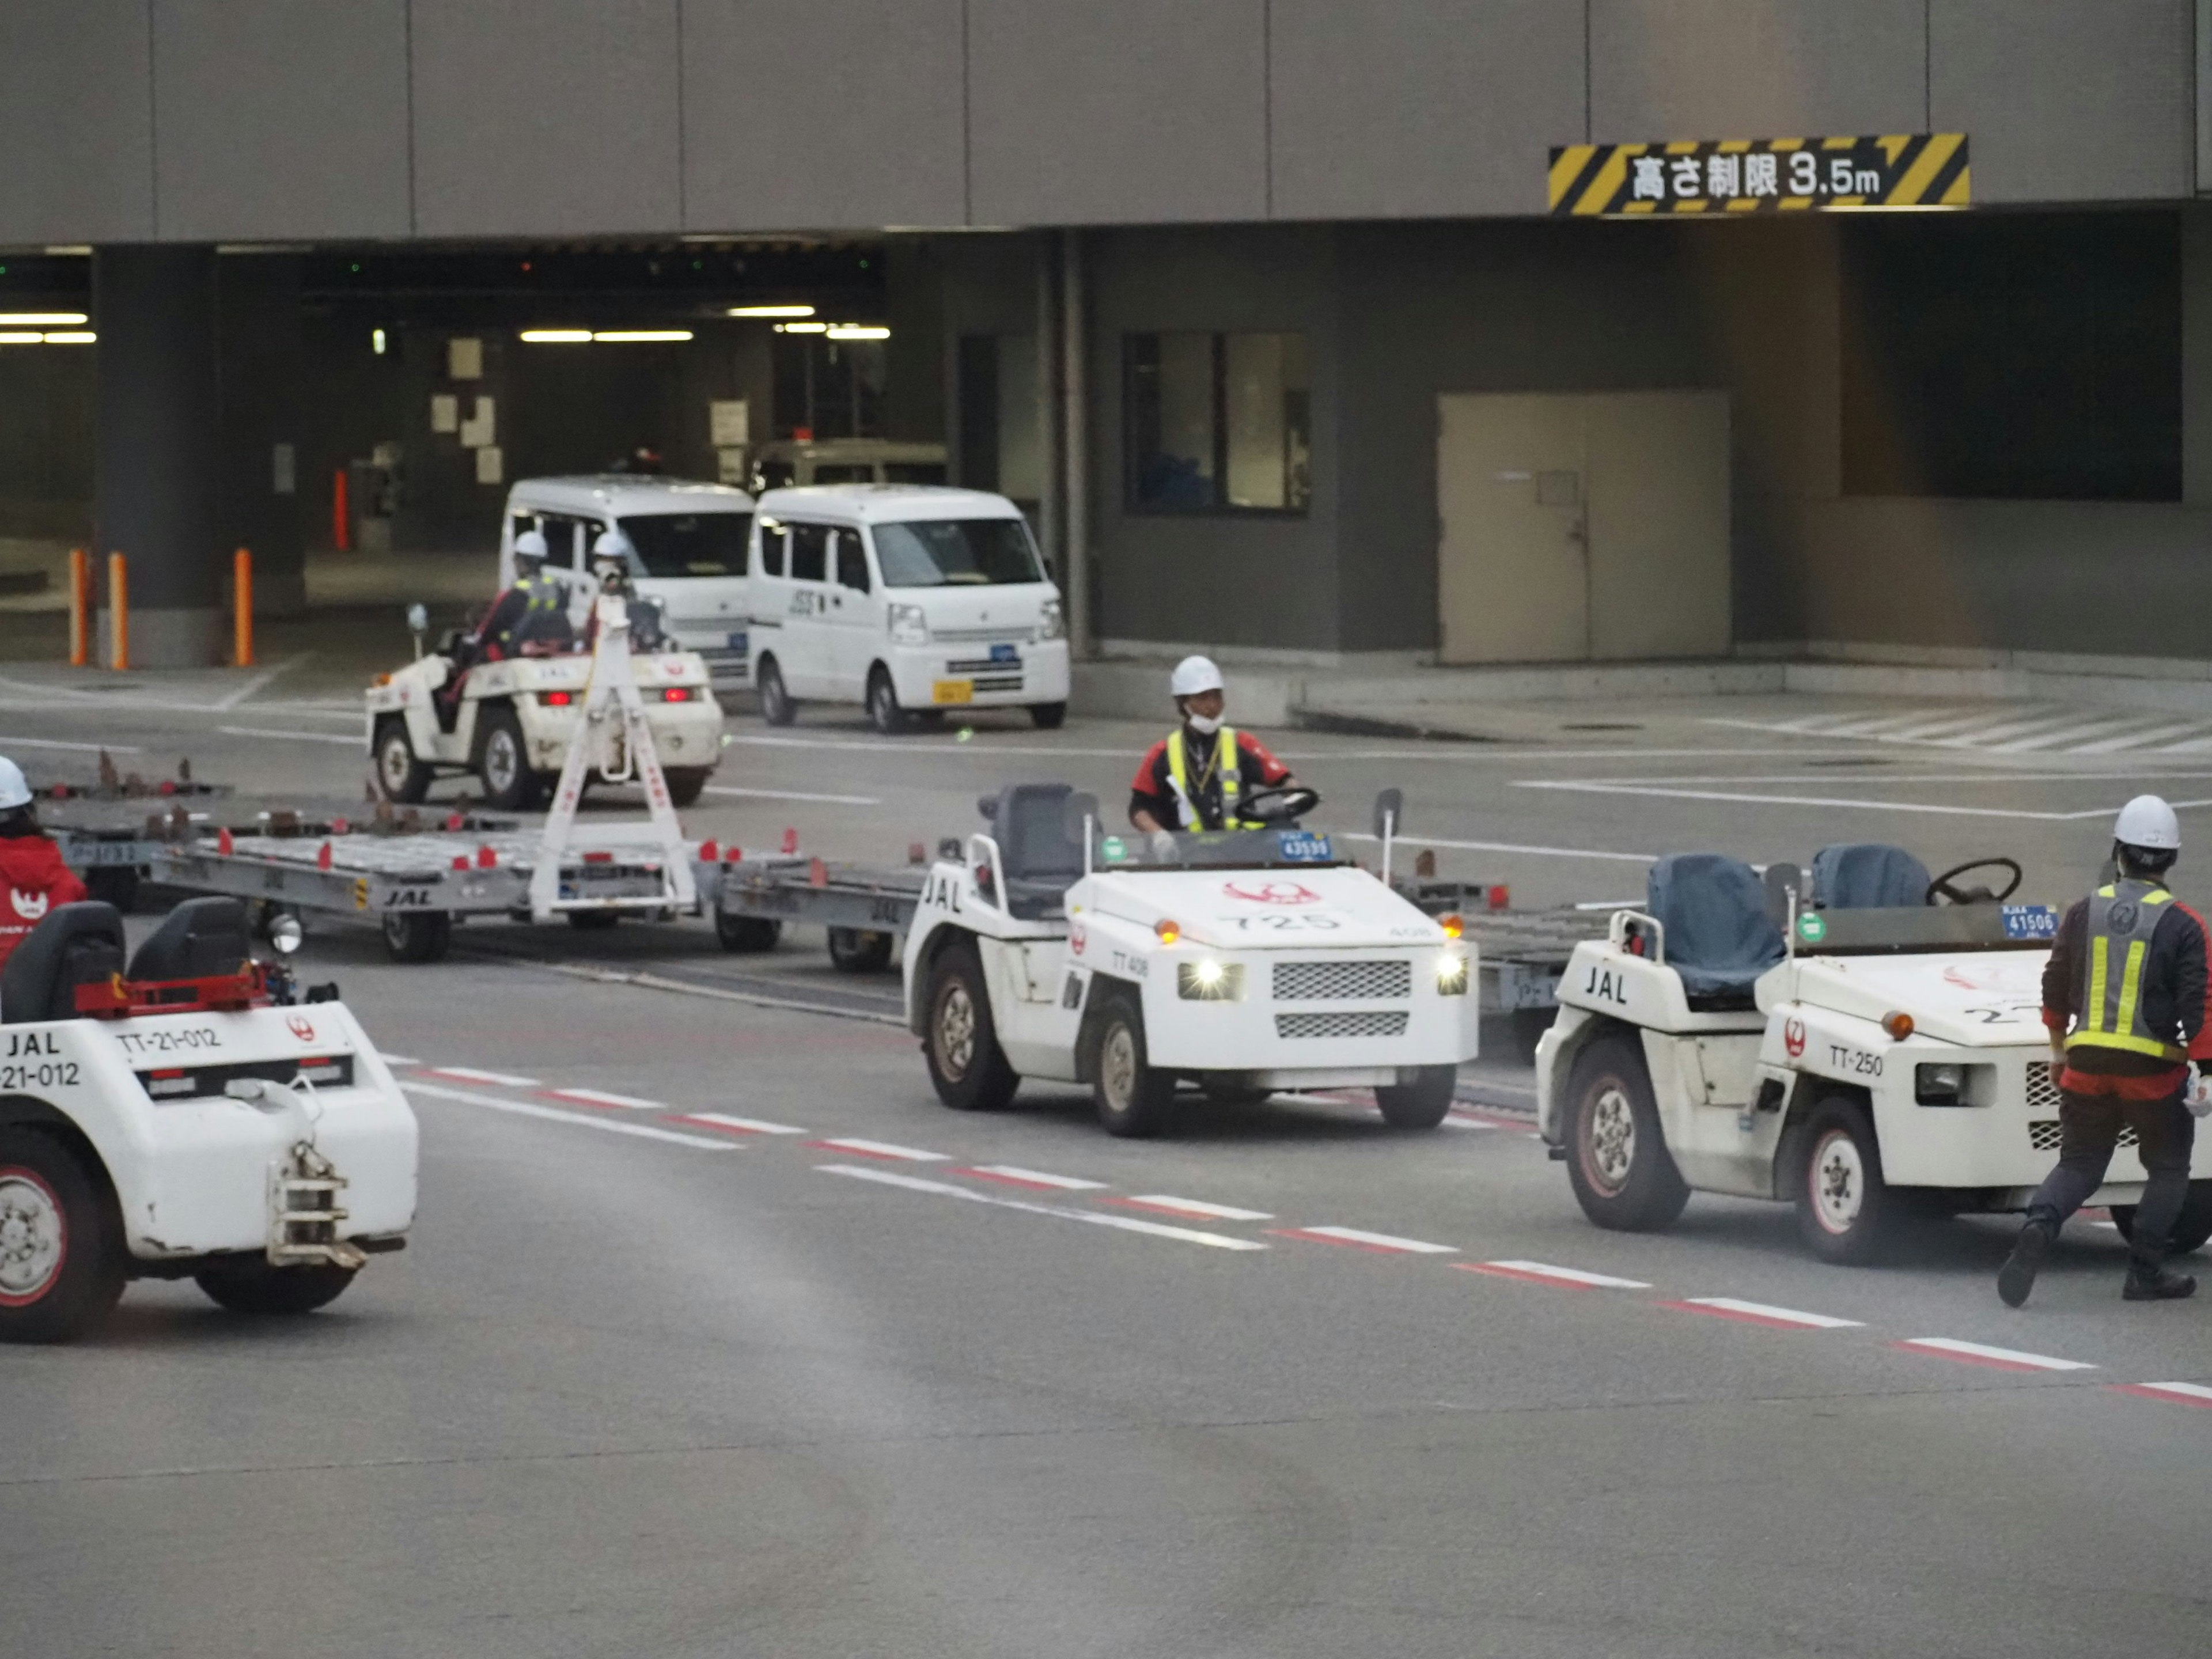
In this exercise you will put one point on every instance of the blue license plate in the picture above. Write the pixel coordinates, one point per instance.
(738, 643)
(1296, 847)
(1005, 653)
(2030, 921)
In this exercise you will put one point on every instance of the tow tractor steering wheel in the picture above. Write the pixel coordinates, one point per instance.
(1278, 806)
(1943, 886)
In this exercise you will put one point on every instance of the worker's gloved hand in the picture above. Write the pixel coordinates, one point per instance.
(1162, 845)
(2198, 1095)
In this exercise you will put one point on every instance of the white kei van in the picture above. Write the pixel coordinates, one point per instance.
(906, 598)
(792, 462)
(691, 544)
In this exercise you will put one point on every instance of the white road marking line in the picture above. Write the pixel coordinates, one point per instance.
(1543, 1272)
(600, 1097)
(399, 1060)
(1512, 847)
(470, 1075)
(1760, 1313)
(744, 1126)
(881, 1149)
(2186, 1393)
(1667, 792)
(237, 695)
(1098, 1218)
(1367, 1241)
(1016, 1176)
(1981, 1353)
(605, 1124)
(84, 748)
(1191, 1207)
(297, 737)
(2137, 739)
(792, 794)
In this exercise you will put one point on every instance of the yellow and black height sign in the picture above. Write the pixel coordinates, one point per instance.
(1760, 175)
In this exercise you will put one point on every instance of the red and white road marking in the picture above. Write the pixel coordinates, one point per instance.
(470, 1075)
(884, 1149)
(1166, 1205)
(1543, 1272)
(1473, 1117)
(1095, 1217)
(554, 1114)
(400, 1060)
(1980, 1353)
(1760, 1313)
(736, 1126)
(2181, 1394)
(1013, 1174)
(1388, 1243)
(601, 1098)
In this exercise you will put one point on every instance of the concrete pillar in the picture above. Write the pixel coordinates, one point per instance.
(1075, 443)
(156, 489)
(259, 352)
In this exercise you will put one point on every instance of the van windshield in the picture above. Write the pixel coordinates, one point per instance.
(691, 544)
(967, 552)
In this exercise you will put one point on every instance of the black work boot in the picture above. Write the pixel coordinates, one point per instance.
(2017, 1277)
(2149, 1280)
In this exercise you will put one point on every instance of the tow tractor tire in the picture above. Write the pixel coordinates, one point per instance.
(1420, 1104)
(859, 950)
(503, 763)
(417, 935)
(61, 1264)
(960, 1040)
(1048, 716)
(2190, 1231)
(1133, 1099)
(1618, 1163)
(254, 1287)
(884, 712)
(748, 934)
(401, 776)
(776, 704)
(1845, 1211)
(685, 783)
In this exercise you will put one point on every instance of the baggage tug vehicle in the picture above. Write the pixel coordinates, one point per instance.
(1244, 961)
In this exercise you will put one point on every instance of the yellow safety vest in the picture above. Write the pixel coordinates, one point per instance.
(1225, 755)
(2122, 919)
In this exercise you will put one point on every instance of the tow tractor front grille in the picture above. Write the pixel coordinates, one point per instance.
(1375, 1023)
(1342, 982)
(2043, 1134)
(2042, 1087)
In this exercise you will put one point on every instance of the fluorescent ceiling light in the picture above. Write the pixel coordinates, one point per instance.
(78, 336)
(802, 328)
(556, 336)
(68, 250)
(18, 337)
(42, 318)
(769, 311)
(634, 336)
(858, 332)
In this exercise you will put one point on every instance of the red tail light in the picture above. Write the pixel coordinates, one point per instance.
(557, 699)
(675, 693)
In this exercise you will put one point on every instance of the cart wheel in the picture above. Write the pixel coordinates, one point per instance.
(2190, 1229)
(1845, 1210)
(503, 763)
(417, 935)
(254, 1287)
(858, 951)
(594, 922)
(685, 783)
(401, 776)
(113, 883)
(746, 933)
(1131, 1098)
(1048, 716)
(1420, 1104)
(961, 1041)
(1618, 1163)
(884, 712)
(776, 704)
(61, 1265)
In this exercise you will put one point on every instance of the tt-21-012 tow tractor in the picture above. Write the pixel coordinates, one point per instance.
(1863, 1042)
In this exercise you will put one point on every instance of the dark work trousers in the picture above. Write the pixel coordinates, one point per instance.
(2089, 1129)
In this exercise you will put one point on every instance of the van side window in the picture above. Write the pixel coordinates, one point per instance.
(809, 552)
(560, 532)
(852, 561)
(771, 545)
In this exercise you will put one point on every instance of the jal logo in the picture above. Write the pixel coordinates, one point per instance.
(1077, 938)
(29, 906)
(1606, 986)
(1273, 892)
(1793, 1036)
(300, 1027)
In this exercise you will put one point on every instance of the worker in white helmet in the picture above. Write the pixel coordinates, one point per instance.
(33, 878)
(532, 610)
(1194, 777)
(2123, 997)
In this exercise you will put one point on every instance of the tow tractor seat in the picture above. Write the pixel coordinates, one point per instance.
(1041, 860)
(1867, 875)
(1720, 938)
(79, 944)
(201, 938)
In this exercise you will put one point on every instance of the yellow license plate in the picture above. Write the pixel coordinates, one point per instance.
(952, 691)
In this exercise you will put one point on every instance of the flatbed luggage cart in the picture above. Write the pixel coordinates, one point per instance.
(866, 909)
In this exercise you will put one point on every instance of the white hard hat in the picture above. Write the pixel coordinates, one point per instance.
(1193, 674)
(2147, 821)
(529, 546)
(14, 790)
(611, 544)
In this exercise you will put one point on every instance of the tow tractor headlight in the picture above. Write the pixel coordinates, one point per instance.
(1950, 1082)
(1208, 980)
(1052, 621)
(909, 625)
(1451, 975)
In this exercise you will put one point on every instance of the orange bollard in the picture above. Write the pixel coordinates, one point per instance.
(119, 612)
(80, 598)
(242, 604)
(341, 517)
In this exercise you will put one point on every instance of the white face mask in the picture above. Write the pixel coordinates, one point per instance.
(1205, 725)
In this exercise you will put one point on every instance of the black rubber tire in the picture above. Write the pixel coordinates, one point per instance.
(1048, 716)
(523, 787)
(748, 934)
(401, 776)
(417, 935)
(958, 1005)
(253, 1286)
(594, 922)
(45, 1192)
(113, 883)
(776, 705)
(1420, 1104)
(1132, 1099)
(885, 712)
(859, 950)
(1642, 1191)
(1851, 1178)
(685, 783)
(2190, 1229)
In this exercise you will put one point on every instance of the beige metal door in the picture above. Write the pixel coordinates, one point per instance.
(1513, 574)
(1658, 523)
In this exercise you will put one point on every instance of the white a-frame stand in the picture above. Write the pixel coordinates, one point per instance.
(613, 739)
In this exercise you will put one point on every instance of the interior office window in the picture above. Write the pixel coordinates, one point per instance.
(1218, 423)
(809, 552)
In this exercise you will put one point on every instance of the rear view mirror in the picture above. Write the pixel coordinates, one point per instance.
(988, 807)
(418, 618)
(1078, 809)
(1389, 813)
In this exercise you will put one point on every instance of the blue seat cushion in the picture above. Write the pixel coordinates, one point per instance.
(1867, 875)
(1720, 938)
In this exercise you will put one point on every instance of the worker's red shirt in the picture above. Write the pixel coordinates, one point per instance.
(32, 880)
(1152, 791)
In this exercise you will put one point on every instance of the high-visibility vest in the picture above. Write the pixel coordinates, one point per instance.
(545, 609)
(1226, 767)
(2121, 918)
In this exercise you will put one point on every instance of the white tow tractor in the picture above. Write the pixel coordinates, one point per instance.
(187, 1117)
(1866, 1044)
(1243, 962)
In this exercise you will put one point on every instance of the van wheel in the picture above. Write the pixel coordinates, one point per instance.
(1133, 1099)
(1618, 1163)
(1048, 716)
(884, 711)
(776, 704)
(2190, 1229)
(1845, 1210)
(685, 783)
(1420, 1104)
(61, 1265)
(401, 776)
(254, 1287)
(859, 950)
(417, 935)
(960, 1040)
(503, 763)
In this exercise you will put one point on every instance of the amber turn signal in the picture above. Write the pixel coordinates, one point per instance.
(1169, 932)
(1899, 1025)
(1453, 926)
